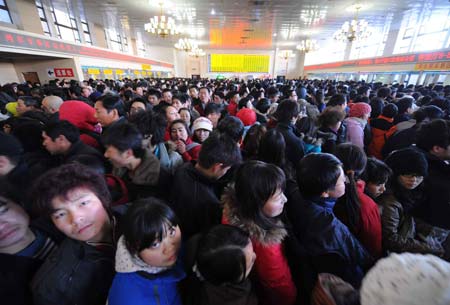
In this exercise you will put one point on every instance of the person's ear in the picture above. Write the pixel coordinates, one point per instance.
(61, 138)
(325, 194)
(437, 150)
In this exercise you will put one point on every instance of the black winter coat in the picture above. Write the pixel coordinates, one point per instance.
(295, 148)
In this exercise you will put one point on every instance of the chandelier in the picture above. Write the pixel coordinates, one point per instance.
(286, 54)
(197, 52)
(185, 44)
(307, 45)
(162, 25)
(353, 30)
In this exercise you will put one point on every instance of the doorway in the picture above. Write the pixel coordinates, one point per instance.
(31, 77)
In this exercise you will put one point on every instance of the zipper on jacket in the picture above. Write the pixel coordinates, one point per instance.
(156, 293)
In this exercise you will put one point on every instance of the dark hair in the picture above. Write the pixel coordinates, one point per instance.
(287, 110)
(123, 137)
(252, 139)
(383, 92)
(111, 102)
(219, 94)
(145, 222)
(436, 132)
(219, 148)
(354, 162)
(180, 121)
(376, 172)
(30, 101)
(154, 92)
(337, 100)
(404, 103)
(318, 173)
(243, 102)
(262, 105)
(65, 128)
(330, 117)
(377, 105)
(231, 126)
(212, 108)
(62, 180)
(255, 183)
(390, 110)
(220, 255)
(180, 97)
(428, 112)
(272, 148)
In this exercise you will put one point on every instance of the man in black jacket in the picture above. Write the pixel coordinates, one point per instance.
(195, 197)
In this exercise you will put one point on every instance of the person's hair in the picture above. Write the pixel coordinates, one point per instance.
(404, 103)
(180, 97)
(436, 132)
(317, 173)
(428, 113)
(30, 101)
(219, 148)
(390, 110)
(180, 121)
(58, 182)
(231, 126)
(219, 94)
(354, 162)
(376, 172)
(243, 102)
(255, 183)
(212, 108)
(363, 89)
(123, 137)
(220, 256)
(377, 105)
(383, 92)
(287, 110)
(252, 139)
(65, 128)
(154, 92)
(262, 105)
(166, 90)
(205, 88)
(330, 117)
(111, 102)
(337, 100)
(272, 148)
(307, 127)
(145, 222)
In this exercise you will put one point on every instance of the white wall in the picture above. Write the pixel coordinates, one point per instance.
(8, 73)
(40, 66)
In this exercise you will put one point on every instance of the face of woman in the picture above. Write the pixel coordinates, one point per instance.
(202, 134)
(178, 132)
(274, 205)
(185, 116)
(163, 253)
(410, 182)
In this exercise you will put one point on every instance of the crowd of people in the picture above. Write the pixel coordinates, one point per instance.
(179, 191)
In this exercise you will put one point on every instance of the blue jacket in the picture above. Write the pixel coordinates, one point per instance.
(144, 288)
(295, 148)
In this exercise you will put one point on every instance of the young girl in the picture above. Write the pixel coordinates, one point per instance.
(355, 209)
(147, 264)
(179, 134)
(254, 205)
(202, 128)
(224, 260)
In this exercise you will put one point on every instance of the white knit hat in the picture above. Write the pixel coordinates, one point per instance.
(202, 123)
(407, 279)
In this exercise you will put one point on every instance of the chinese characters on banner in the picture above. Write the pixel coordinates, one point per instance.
(63, 72)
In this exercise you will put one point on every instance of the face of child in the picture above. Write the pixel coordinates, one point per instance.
(13, 225)
(250, 257)
(185, 116)
(81, 215)
(274, 205)
(339, 189)
(202, 134)
(163, 253)
(410, 182)
(178, 132)
(375, 190)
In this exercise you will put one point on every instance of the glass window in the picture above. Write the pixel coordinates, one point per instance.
(43, 17)
(4, 12)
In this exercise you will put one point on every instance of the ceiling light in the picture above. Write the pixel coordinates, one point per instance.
(307, 45)
(286, 54)
(213, 12)
(197, 52)
(185, 44)
(162, 25)
(357, 29)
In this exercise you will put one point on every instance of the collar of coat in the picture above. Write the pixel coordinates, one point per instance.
(232, 216)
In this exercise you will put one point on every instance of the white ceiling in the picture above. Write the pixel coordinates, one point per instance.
(249, 24)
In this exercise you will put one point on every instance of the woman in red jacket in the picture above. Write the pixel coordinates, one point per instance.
(179, 134)
(355, 209)
(254, 204)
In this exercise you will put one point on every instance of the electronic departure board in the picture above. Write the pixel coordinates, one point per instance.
(239, 63)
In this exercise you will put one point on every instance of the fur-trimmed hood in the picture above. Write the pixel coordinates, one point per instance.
(232, 216)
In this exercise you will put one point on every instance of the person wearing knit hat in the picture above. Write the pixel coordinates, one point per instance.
(356, 123)
(407, 279)
(201, 127)
(247, 116)
(402, 232)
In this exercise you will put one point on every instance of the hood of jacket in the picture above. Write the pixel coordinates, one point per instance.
(127, 263)
(233, 217)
